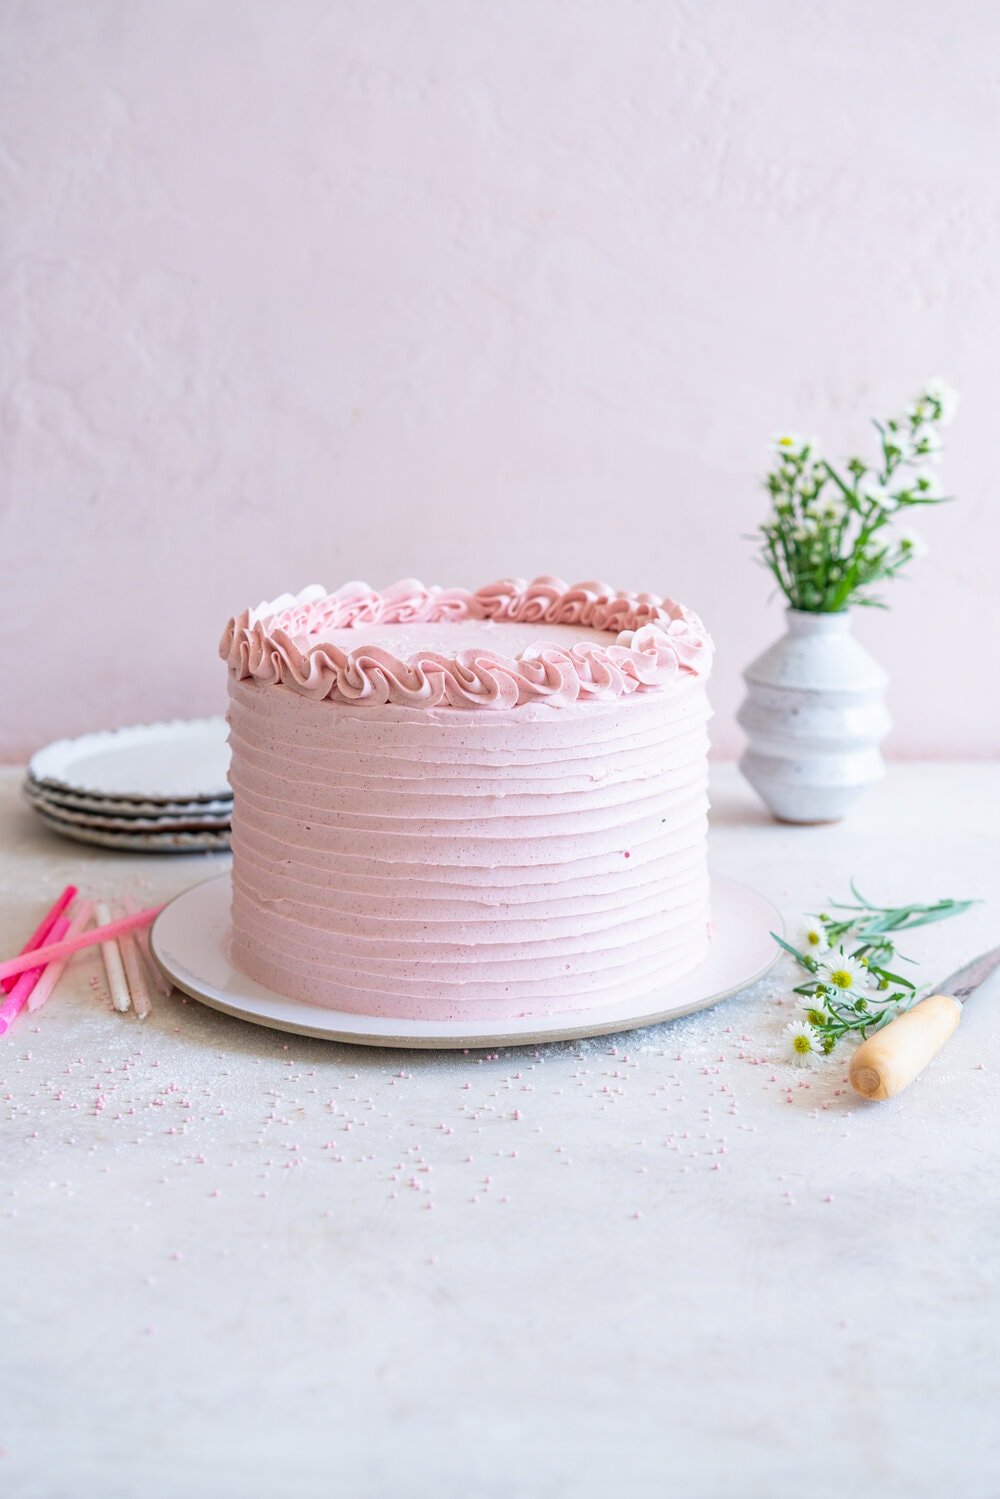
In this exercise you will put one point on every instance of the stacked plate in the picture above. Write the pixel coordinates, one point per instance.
(154, 788)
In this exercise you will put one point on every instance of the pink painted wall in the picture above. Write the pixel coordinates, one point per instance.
(457, 288)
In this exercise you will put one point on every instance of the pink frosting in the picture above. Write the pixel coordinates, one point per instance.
(429, 863)
(651, 642)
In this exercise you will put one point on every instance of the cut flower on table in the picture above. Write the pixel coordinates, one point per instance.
(803, 1043)
(851, 989)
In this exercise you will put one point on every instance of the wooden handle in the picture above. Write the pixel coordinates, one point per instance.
(888, 1062)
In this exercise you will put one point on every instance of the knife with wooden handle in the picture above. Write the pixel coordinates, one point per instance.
(889, 1060)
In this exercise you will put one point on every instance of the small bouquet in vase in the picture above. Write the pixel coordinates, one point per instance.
(835, 531)
(814, 713)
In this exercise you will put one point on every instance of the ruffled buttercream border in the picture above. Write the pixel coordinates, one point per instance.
(656, 642)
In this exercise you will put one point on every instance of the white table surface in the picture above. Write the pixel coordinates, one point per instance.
(241, 1264)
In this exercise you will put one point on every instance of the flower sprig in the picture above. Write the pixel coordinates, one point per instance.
(852, 990)
(834, 531)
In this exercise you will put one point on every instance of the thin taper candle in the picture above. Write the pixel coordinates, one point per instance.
(43, 929)
(70, 945)
(135, 975)
(23, 987)
(113, 965)
(54, 971)
(160, 981)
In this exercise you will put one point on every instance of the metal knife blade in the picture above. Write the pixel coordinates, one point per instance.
(968, 979)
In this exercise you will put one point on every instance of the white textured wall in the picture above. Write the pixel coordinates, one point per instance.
(456, 288)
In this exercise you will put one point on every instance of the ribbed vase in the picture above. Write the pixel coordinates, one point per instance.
(814, 716)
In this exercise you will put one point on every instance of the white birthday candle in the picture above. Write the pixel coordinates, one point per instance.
(135, 975)
(113, 966)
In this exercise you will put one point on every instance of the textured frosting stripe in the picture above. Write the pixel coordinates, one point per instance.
(426, 862)
(418, 999)
(343, 870)
(374, 905)
(652, 642)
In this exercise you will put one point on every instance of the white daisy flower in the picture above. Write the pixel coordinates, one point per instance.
(794, 445)
(909, 541)
(814, 941)
(802, 1043)
(900, 436)
(833, 509)
(924, 481)
(843, 972)
(805, 530)
(945, 395)
(927, 442)
(869, 488)
(891, 502)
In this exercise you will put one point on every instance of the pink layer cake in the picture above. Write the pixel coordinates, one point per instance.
(452, 804)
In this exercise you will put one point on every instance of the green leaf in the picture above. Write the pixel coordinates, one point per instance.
(894, 978)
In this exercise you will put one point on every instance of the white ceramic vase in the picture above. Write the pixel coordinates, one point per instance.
(814, 716)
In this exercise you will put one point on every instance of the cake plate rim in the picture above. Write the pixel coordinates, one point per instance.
(189, 939)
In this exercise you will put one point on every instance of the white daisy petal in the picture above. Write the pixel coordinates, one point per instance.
(843, 973)
(794, 445)
(802, 1043)
(813, 940)
(945, 395)
(909, 541)
(869, 488)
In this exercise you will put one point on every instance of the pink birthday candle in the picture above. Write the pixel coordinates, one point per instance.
(65, 949)
(18, 996)
(42, 930)
(54, 971)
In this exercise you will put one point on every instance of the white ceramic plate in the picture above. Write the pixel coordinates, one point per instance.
(191, 938)
(116, 806)
(139, 843)
(189, 822)
(182, 761)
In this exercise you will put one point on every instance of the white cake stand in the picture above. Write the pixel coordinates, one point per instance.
(191, 938)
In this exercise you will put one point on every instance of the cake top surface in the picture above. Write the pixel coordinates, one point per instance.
(506, 644)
